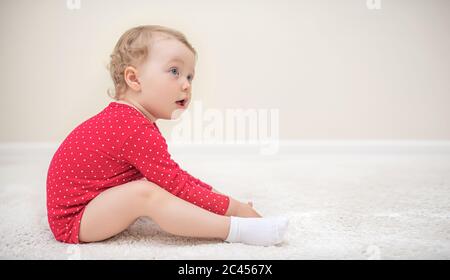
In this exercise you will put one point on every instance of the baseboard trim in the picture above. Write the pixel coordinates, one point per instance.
(31, 150)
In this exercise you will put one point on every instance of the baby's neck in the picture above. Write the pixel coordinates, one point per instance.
(137, 106)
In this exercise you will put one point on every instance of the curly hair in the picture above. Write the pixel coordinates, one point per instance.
(132, 49)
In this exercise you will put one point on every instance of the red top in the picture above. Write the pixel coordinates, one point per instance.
(116, 146)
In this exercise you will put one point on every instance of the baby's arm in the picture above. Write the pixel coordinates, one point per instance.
(236, 208)
(146, 149)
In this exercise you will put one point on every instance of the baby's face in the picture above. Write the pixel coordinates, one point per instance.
(166, 78)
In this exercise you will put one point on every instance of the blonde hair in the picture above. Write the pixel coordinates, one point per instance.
(132, 49)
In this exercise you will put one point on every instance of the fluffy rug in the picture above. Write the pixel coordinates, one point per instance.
(342, 206)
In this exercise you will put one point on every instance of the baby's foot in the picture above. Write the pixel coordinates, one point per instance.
(257, 231)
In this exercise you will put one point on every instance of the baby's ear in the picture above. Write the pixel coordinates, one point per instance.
(131, 78)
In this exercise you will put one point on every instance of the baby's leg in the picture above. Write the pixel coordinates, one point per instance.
(115, 209)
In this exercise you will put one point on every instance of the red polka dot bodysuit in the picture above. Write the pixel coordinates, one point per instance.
(116, 146)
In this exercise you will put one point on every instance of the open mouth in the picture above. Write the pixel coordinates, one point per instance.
(182, 102)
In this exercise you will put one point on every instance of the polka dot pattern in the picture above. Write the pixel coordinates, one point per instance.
(116, 146)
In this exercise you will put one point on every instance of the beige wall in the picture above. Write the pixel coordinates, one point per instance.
(334, 69)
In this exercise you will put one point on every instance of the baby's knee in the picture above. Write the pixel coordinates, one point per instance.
(144, 189)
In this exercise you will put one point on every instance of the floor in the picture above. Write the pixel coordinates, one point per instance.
(341, 206)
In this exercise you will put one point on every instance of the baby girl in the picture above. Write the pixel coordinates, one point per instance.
(115, 167)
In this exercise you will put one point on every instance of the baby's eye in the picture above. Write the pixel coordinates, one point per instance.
(174, 71)
(189, 78)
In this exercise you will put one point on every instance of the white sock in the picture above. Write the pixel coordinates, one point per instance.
(257, 231)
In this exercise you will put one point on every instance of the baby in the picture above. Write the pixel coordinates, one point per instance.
(114, 167)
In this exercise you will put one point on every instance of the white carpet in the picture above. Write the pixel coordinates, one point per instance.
(391, 206)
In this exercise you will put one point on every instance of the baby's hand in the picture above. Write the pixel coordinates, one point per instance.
(246, 210)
